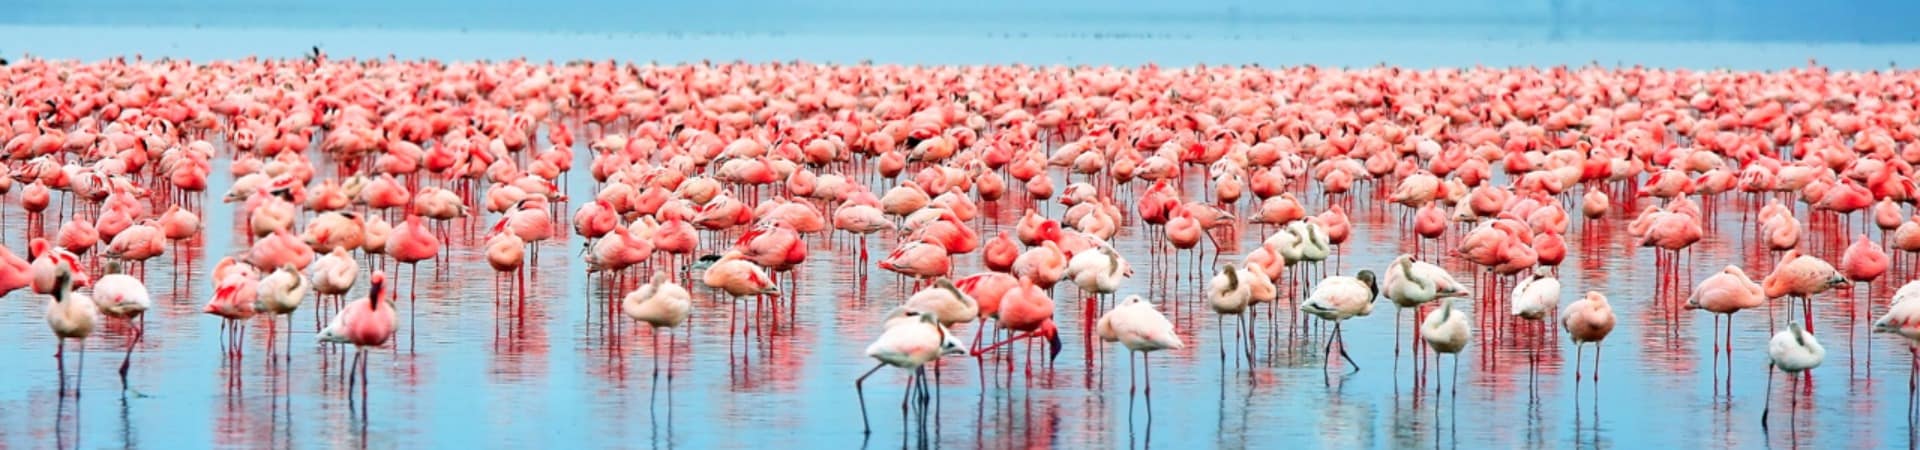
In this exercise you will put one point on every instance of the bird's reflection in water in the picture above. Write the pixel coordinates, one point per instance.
(1143, 433)
(656, 409)
(127, 435)
(1586, 426)
(60, 416)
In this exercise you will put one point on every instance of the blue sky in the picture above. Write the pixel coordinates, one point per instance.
(1862, 21)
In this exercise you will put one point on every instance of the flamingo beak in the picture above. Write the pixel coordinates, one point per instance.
(1053, 340)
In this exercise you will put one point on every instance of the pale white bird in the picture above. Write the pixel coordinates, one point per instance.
(1411, 283)
(280, 293)
(1140, 327)
(661, 303)
(945, 302)
(334, 273)
(1098, 272)
(1230, 293)
(1337, 299)
(907, 345)
(71, 315)
(1536, 297)
(124, 297)
(1447, 331)
(1792, 350)
(1908, 291)
(1312, 240)
(1587, 320)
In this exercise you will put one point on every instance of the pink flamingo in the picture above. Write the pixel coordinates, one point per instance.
(1801, 276)
(367, 322)
(410, 244)
(1029, 311)
(233, 301)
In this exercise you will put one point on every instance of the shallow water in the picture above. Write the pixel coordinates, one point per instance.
(555, 374)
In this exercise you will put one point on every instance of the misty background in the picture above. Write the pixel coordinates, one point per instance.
(1846, 21)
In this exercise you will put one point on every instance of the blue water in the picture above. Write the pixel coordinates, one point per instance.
(497, 378)
(480, 377)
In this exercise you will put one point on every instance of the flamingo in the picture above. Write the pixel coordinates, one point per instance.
(1044, 265)
(233, 301)
(660, 303)
(411, 244)
(1801, 276)
(907, 346)
(1140, 327)
(1336, 299)
(945, 301)
(1227, 294)
(1534, 299)
(1448, 332)
(333, 275)
(1411, 283)
(1587, 320)
(15, 273)
(1028, 310)
(367, 322)
(279, 293)
(1792, 351)
(734, 275)
(70, 315)
(1098, 272)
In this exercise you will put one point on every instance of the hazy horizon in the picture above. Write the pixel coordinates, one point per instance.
(1856, 21)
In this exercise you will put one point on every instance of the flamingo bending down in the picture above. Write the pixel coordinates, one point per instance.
(907, 345)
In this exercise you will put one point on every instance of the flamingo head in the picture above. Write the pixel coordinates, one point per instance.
(1373, 289)
(767, 287)
(1052, 333)
(40, 245)
(949, 346)
(378, 281)
(1050, 231)
(1887, 324)
(704, 262)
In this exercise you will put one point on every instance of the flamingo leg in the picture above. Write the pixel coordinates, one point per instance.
(1768, 395)
(1338, 337)
(140, 332)
(861, 392)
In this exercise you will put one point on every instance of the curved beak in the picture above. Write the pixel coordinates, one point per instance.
(1053, 340)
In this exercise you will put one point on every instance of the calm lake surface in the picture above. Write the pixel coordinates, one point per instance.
(557, 375)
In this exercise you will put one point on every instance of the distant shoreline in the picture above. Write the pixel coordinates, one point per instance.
(100, 42)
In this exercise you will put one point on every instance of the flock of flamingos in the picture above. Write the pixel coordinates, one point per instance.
(711, 180)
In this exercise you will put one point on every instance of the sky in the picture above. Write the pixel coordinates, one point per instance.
(1844, 21)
